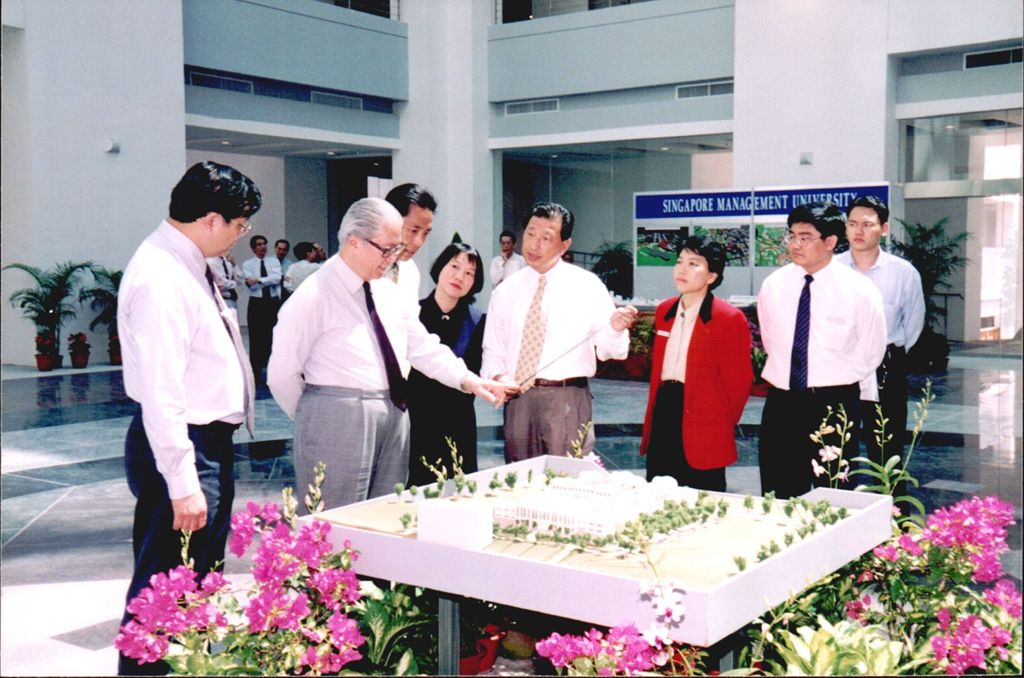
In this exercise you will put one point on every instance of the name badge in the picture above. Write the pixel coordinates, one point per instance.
(663, 333)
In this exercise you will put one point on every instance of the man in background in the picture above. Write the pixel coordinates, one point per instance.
(903, 300)
(507, 262)
(305, 266)
(263, 278)
(281, 248)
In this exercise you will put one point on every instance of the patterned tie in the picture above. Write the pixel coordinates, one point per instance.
(396, 382)
(236, 340)
(263, 274)
(798, 359)
(532, 344)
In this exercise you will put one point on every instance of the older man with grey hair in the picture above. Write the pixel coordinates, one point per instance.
(343, 347)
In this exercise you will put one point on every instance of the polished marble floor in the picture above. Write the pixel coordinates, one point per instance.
(66, 510)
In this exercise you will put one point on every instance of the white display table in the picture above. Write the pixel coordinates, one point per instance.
(605, 588)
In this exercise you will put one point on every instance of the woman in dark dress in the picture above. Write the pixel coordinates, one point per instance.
(436, 411)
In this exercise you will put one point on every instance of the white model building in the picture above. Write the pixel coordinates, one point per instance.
(596, 502)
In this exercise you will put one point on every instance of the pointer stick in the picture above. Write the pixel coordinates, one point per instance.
(562, 355)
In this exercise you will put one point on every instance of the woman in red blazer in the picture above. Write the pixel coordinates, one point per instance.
(700, 374)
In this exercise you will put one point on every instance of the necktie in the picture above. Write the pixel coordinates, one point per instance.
(532, 344)
(263, 274)
(236, 340)
(396, 382)
(798, 359)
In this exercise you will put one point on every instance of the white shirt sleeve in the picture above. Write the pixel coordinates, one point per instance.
(160, 318)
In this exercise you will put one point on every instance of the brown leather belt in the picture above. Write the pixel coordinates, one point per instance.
(560, 383)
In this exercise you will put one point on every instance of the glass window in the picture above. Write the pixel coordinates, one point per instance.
(971, 146)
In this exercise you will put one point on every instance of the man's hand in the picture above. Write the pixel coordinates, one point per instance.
(189, 512)
(251, 281)
(491, 391)
(623, 318)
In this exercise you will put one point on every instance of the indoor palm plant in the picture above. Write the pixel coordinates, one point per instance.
(48, 305)
(102, 299)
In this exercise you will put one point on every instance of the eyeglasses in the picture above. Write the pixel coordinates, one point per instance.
(802, 239)
(387, 252)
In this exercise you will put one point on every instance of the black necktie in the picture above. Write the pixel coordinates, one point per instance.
(263, 274)
(798, 359)
(396, 382)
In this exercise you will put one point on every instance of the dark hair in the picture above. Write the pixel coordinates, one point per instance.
(211, 187)
(302, 249)
(551, 210)
(450, 252)
(872, 203)
(404, 195)
(712, 251)
(282, 240)
(252, 240)
(824, 216)
(507, 234)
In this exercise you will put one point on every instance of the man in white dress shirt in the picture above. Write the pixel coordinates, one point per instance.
(508, 262)
(547, 325)
(263, 278)
(342, 352)
(306, 255)
(417, 205)
(182, 366)
(903, 299)
(226, 276)
(824, 332)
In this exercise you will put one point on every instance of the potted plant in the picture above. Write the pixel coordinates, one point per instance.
(936, 256)
(47, 355)
(641, 338)
(48, 304)
(758, 358)
(102, 299)
(78, 349)
(614, 267)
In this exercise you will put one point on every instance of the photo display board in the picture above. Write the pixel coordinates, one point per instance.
(750, 224)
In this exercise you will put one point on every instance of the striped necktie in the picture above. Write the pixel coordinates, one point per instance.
(798, 358)
(532, 344)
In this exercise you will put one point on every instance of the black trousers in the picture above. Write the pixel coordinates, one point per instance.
(892, 396)
(785, 448)
(157, 547)
(262, 316)
(665, 454)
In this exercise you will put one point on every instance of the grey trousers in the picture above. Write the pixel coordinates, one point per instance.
(546, 420)
(361, 436)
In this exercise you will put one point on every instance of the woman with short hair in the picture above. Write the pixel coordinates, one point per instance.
(700, 374)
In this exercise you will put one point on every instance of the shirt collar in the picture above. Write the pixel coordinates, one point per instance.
(181, 245)
(824, 274)
(337, 267)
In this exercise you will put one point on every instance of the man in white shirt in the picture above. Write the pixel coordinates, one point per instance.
(281, 248)
(301, 269)
(824, 332)
(903, 300)
(343, 350)
(508, 262)
(417, 205)
(263, 278)
(188, 373)
(227, 276)
(546, 328)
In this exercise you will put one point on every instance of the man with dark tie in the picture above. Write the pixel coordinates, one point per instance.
(263, 278)
(342, 353)
(823, 328)
(185, 366)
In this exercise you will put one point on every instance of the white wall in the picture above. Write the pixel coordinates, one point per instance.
(811, 78)
(445, 123)
(76, 74)
(920, 25)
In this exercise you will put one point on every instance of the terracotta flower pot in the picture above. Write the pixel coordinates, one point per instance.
(80, 360)
(47, 361)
